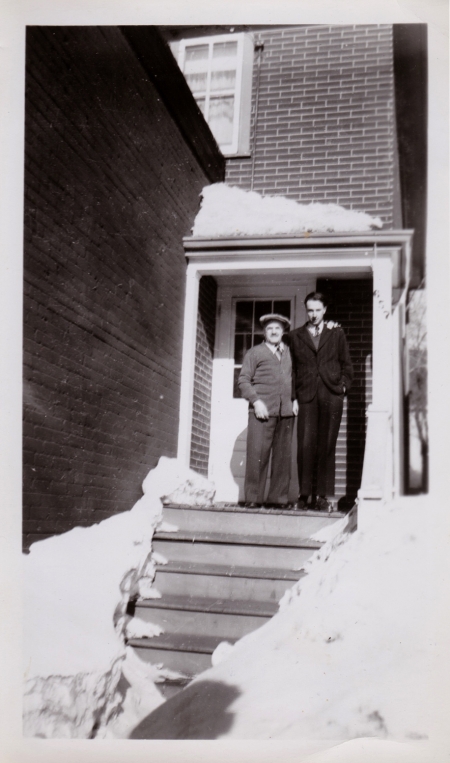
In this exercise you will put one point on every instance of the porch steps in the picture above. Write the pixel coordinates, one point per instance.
(227, 570)
(240, 521)
(236, 550)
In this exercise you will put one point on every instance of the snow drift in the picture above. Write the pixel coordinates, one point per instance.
(349, 655)
(230, 211)
(77, 587)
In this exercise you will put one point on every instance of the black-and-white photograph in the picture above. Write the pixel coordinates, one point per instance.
(228, 524)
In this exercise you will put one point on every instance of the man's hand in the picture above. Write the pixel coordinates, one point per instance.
(295, 407)
(333, 325)
(261, 411)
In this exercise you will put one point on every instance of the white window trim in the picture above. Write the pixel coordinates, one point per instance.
(240, 144)
(266, 297)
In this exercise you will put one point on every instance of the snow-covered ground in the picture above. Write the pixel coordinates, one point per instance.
(230, 211)
(350, 661)
(77, 587)
(348, 670)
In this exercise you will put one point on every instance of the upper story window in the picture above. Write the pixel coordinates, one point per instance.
(219, 72)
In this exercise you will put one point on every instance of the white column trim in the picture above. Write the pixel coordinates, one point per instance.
(377, 476)
(382, 355)
(397, 413)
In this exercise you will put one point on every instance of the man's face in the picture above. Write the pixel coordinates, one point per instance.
(316, 310)
(273, 331)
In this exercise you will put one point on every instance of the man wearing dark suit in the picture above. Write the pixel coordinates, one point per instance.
(323, 373)
(266, 382)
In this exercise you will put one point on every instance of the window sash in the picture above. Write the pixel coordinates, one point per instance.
(255, 332)
(217, 64)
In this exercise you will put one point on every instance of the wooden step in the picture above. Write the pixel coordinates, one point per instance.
(186, 654)
(175, 549)
(224, 618)
(227, 569)
(240, 521)
(189, 664)
(224, 582)
(179, 642)
(235, 571)
(243, 540)
(205, 604)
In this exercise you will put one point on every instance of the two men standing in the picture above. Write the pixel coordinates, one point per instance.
(313, 390)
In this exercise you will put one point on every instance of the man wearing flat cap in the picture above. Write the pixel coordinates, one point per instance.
(266, 382)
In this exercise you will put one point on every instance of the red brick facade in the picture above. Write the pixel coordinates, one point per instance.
(325, 127)
(204, 354)
(111, 189)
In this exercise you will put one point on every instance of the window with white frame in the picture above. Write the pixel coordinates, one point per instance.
(219, 72)
(248, 331)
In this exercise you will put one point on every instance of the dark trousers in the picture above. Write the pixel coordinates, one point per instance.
(317, 431)
(274, 435)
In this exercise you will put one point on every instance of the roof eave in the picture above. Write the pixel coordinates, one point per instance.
(395, 237)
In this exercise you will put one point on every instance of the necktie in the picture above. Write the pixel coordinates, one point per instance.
(316, 331)
(278, 352)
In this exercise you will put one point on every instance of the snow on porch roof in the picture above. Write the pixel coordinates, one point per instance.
(230, 212)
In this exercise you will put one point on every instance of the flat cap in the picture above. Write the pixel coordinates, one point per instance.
(275, 317)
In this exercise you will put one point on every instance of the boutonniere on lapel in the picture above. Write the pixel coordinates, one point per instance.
(332, 325)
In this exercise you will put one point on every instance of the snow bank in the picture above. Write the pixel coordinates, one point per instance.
(230, 211)
(349, 655)
(77, 587)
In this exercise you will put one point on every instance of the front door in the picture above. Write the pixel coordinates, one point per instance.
(238, 329)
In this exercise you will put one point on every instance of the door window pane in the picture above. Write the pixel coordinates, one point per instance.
(261, 308)
(282, 307)
(248, 331)
(244, 316)
(242, 343)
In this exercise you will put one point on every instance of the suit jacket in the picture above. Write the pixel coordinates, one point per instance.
(330, 362)
(264, 377)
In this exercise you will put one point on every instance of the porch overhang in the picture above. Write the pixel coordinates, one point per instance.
(383, 255)
(396, 237)
(346, 250)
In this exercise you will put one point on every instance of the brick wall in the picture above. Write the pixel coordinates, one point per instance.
(204, 354)
(325, 126)
(351, 305)
(111, 189)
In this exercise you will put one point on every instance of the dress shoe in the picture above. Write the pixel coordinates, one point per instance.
(301, 505)
(252, 505)
(323, 505)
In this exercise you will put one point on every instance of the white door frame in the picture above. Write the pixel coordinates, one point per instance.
(385, 257)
